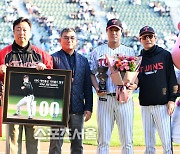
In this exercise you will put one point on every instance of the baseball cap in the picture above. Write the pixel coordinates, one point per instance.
(114, 23)
(26, 76)
(146, 29)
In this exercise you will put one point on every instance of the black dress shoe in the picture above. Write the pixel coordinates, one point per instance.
(15, 114)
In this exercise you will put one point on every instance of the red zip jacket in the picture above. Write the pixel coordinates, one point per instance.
(29, 56)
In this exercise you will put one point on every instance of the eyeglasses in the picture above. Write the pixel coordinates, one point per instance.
(144, 37)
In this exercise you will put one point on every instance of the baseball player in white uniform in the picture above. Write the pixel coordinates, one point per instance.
(109, 109)
(28, 99)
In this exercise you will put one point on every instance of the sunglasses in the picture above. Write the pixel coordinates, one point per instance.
(150, 36)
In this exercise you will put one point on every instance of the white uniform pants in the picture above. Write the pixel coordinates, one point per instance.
(156, 117)
(107, 113)
(27, 100)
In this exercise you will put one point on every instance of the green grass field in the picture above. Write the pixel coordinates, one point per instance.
(91, 125)
(13, 99)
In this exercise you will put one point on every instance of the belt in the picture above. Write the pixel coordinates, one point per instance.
(111, 94)
(76, 113)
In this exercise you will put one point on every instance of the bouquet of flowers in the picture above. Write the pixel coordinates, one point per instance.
(124, 70)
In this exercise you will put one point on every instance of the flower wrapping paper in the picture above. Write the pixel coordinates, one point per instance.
(121, 78)
(129, 77)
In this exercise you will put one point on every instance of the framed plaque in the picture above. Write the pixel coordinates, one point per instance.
(36, 97)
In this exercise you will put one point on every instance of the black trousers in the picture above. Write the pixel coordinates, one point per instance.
(75, 125)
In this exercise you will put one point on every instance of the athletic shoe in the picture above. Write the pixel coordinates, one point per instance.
(29, 117)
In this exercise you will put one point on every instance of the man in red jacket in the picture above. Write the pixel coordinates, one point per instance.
(22, 54)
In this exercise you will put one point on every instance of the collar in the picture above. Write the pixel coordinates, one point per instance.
(69, 54)
(18, 49)
(150, 51)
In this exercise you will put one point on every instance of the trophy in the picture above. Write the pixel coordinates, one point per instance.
(102, 76)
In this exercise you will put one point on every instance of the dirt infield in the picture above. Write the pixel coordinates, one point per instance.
(88, 149)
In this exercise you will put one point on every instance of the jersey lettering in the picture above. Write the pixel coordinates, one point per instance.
(151, 67)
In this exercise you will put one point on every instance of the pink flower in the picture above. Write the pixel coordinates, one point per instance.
(126, 68)
(124, 63)
(121, 68)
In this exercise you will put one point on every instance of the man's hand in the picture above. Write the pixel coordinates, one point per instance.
(3, 69)
(87, 115)
(41, 66)
(100, 93)
(131, 86)
(170, 107)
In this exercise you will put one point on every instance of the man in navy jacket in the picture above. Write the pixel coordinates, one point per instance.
(81, 99)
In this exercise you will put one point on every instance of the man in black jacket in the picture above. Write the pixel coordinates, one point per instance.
(158, 88)
(81, 101)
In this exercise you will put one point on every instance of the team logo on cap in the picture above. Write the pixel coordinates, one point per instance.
(26, 76)
(114, 21)
(146, 28)
(49, 77)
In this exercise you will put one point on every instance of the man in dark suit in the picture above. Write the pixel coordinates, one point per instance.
(81, 97)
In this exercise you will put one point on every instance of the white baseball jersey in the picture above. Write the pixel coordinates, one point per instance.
(100, 52)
